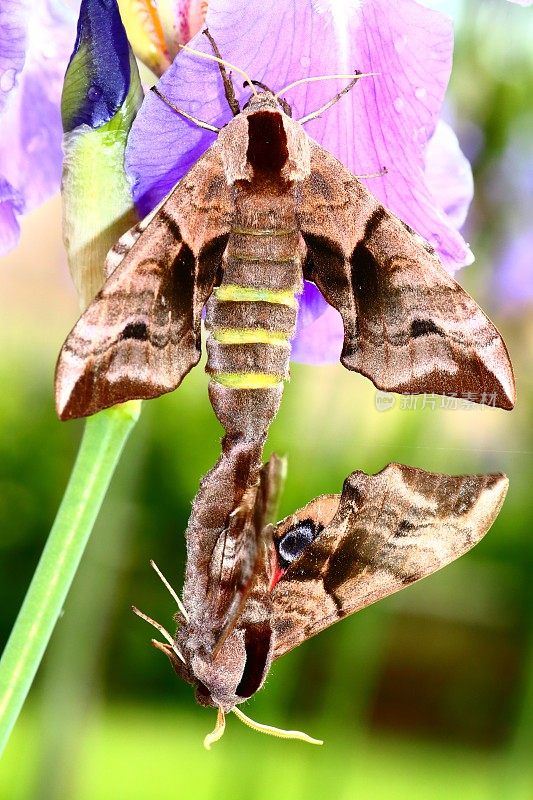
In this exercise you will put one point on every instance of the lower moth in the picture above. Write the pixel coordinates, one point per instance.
(260, 589)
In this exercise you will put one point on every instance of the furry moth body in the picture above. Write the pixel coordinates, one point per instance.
(262, 209)
(335, 556)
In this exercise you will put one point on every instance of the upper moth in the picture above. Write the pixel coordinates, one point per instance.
(262, 209)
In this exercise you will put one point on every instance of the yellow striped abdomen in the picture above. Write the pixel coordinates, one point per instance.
(251, 316)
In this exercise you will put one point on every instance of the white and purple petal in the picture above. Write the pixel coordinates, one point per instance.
(449, 175)
(11, 204)
(513, 277)
(386, 121)
(14, 16)
(30, 122)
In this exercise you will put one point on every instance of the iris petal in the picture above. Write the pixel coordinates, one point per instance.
(35, 41)
(386, 121)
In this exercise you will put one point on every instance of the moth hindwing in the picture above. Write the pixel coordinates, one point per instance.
(263, 205)
(333, 557)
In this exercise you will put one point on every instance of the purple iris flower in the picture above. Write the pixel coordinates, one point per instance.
(36, 40)
(513, 277)
(389, 120)
(386, 121)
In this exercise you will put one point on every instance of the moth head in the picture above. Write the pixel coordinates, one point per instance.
(230, 673)
(263, 142)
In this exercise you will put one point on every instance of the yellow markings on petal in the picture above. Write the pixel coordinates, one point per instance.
(218, 731)
(271, 731)
(251, 336)
(246, 380)
(145, 33)
(247, 294)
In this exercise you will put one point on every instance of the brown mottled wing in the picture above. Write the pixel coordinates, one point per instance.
(141, 334)
(389, 530)
(408, 326)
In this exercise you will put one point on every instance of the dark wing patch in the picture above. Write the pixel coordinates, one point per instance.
(408, 326)
(390, 529)
(141, 334)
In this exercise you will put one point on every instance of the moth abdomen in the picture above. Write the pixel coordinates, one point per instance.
(251, 315)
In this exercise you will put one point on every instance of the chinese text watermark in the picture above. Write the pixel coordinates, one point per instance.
(465, 401)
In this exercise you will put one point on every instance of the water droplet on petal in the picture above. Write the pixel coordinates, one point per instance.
(399, 104)
(421, 92)
(421, 134)
(37, 142)
(399, 44)
(305, 61)
(94, 93)
(7, 80)
(48, 49)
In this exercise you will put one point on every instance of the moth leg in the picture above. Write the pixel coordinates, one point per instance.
(383, 171)
(199, 122)
(229, 90)
(318, 112)
(162, 631)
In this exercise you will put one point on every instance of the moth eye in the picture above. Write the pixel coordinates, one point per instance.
(294, 542)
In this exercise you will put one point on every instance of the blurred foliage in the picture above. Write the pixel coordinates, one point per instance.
(430, 691)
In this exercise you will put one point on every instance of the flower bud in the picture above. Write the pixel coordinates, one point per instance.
(101, 96)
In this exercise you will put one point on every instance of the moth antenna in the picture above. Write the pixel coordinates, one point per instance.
(354, 76)
(225, 63)
(199, 122)
(159, 627)
(314, 114)
(271, 731)
(172, 591)
(229, 89)
(383, 171)
(218, 731)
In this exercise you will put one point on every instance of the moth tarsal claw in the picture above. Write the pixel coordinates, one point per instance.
(270, 730)
(218, 731)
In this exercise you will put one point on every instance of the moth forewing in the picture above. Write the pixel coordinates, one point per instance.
(333, 557)
(389, 530)
(408, 326)
(141, 334)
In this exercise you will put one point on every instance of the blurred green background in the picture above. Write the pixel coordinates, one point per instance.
(428, 693)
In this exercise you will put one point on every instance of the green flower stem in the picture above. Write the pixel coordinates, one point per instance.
(103, 440)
